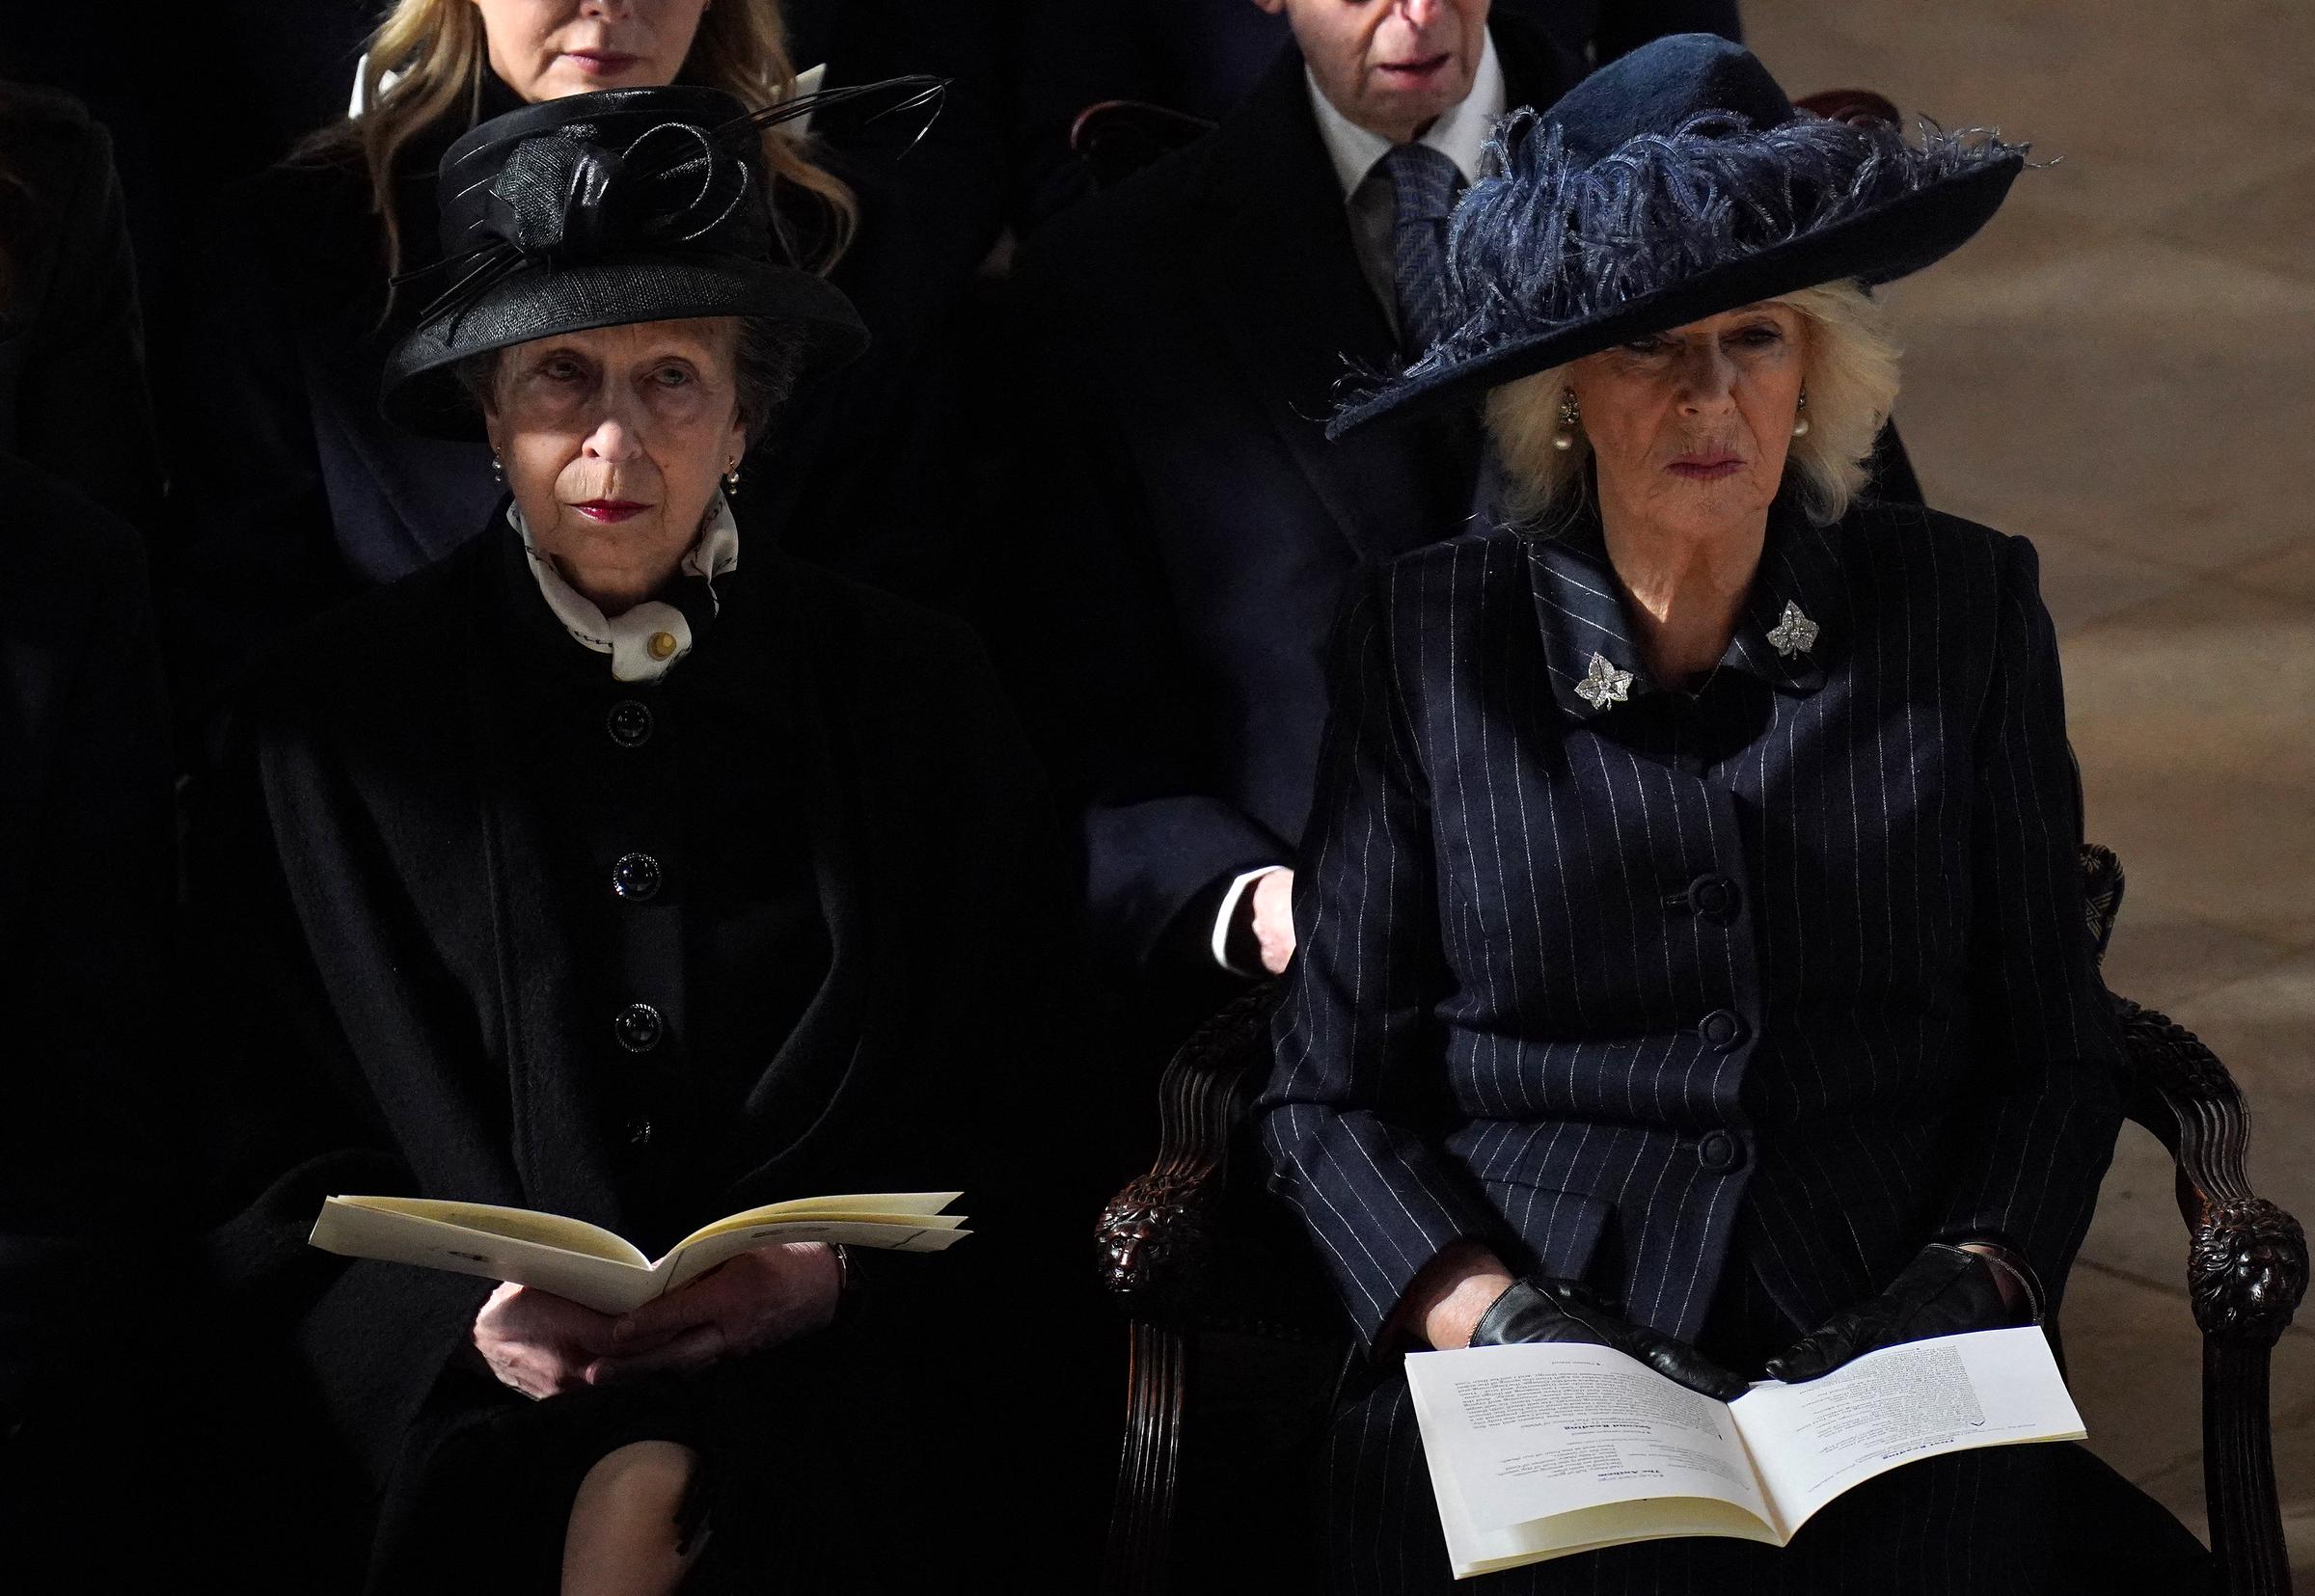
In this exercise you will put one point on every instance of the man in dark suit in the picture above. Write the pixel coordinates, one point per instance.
(1193, 526)
(1205, 56)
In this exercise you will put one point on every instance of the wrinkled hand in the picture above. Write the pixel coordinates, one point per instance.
(1943, 1292)
(1561, 1310)
(747, 1304)
(539, 1343)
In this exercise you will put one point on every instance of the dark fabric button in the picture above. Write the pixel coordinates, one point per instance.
(1719, 1150)
(1722, 1029)
(1714, 898)
(634, 877)
(629, 723)
(638, 1027)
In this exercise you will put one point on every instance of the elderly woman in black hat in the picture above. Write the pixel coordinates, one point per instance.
(613, 868)
(293, 494)
(1693, 958)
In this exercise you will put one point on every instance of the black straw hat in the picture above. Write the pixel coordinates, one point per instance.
(1674, 184)
(596, 210)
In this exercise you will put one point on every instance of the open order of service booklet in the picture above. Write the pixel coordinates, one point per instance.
(593, 1267)
(1541, 1450)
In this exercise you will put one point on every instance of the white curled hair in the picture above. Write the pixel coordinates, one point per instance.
(1851, 365)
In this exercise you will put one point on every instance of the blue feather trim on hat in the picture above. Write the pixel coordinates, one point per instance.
(1547, 243)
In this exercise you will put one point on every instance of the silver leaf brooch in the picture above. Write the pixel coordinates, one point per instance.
(1603, 683)
(1794, 632)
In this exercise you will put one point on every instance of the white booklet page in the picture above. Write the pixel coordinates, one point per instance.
(1540, 1451)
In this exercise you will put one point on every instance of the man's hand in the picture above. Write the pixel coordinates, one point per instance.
(1273, 900)
(756, 1300)
(1543, 1309)
(540, 1344)
(1943, 1292)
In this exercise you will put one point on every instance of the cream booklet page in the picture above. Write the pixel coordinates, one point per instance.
(1540, 1450)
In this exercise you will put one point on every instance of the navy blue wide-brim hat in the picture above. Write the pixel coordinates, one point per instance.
(598, 210)
(1676, 183)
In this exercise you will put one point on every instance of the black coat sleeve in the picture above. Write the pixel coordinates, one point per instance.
(1089, 637)
(2049, 1088)
(1358, 1043)
(349, 1346)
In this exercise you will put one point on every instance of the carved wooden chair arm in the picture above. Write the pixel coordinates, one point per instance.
(2247, 1267)
(1152, 1235)
(2247, 1262)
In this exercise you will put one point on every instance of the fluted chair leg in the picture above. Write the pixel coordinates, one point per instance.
(2238, 1472)
(1141, 1520)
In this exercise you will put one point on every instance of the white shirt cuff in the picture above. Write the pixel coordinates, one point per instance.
(1228, 913)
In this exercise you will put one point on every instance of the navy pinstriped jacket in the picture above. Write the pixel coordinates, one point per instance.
(1794, 970)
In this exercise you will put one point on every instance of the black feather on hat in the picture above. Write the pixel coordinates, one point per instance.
(596, 210)
(1673, 184)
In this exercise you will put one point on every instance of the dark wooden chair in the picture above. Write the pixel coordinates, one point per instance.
(1236, 1340)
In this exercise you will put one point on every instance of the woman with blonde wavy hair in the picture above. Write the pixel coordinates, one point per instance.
(295, 492)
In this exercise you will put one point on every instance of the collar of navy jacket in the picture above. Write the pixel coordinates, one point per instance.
(1580, 615)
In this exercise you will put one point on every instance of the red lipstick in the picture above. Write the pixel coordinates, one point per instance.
(609, 509)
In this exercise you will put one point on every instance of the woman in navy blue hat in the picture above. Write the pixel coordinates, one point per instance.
(1694, 960)
(619, 866)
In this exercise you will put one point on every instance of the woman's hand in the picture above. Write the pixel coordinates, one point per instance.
(1943, 1292)
(756, 1300)
(1445, 1301)
(1545, 1309)
(540, 1344)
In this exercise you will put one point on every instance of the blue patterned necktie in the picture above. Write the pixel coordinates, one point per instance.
(1423, 188)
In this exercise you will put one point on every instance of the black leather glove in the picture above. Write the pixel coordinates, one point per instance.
(1943, 1292)
(1561, 1311)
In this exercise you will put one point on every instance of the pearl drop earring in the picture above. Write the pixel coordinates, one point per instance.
(1571, 417)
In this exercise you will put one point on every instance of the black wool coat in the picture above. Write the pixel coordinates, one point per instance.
(1728, 1001)
(406, 1007)
(1187, 525)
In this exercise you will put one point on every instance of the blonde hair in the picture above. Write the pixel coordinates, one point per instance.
(438, 52)
(1851, 381)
